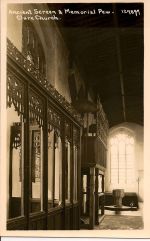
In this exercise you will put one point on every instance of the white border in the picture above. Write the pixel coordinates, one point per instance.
(145, 233)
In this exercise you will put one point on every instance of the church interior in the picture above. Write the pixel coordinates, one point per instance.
(75, 116)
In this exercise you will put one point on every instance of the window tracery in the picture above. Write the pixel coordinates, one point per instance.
(122, 158)
(32, 48)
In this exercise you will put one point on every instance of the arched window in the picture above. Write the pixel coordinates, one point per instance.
(121, 159)
(32, 48)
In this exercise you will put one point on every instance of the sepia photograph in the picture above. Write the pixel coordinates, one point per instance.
(74, 105)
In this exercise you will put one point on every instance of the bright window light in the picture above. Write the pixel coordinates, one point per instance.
(121, 159)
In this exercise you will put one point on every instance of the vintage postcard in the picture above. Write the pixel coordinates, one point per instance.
(74, 119)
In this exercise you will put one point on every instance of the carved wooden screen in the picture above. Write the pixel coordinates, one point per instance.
(15, 93)
(54, 158)
(36, 116)
(76, 146)
(27, 119)
(15, 133)
(68, 154)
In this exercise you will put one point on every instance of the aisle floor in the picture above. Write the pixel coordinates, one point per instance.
(126, 220)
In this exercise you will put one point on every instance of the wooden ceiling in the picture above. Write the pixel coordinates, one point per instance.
(109, 51)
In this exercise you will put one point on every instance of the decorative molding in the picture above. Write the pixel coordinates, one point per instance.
(36, 157)
(54, 121)
(15, 93)
(28, 66)
(36, 111)
(16, 135)
(15, 143)
(101, 123)
(68, 131)
(24, 63)
(76, 136)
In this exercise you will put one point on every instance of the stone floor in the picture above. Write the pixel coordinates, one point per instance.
(139, 212)
(126, 220)
(120, 222)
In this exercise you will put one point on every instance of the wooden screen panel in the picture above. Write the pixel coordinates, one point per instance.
(75, 218)
(17, 224)
(16, 163)
(38, 224)
(59, 221)
(68, 219)
(51, 222)
(56, 220)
